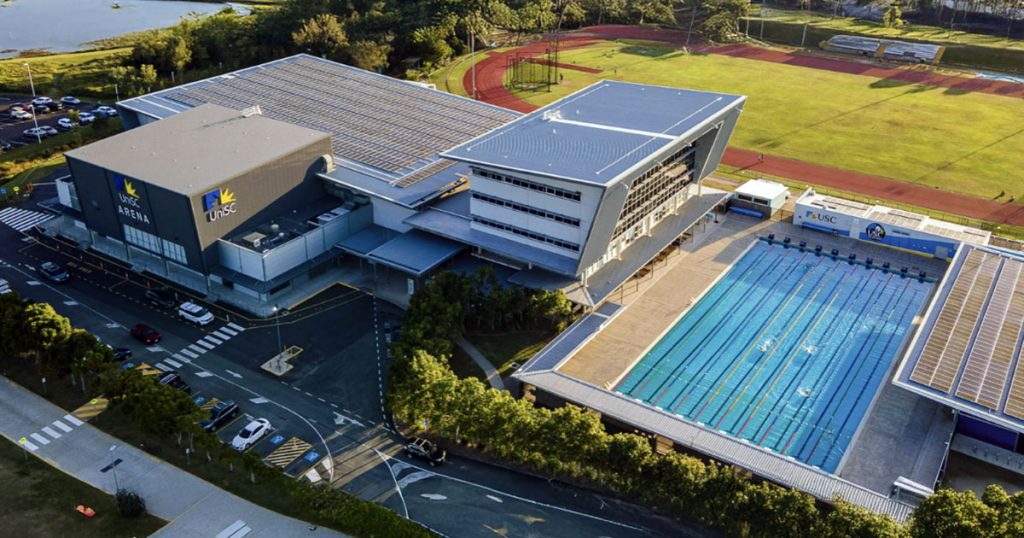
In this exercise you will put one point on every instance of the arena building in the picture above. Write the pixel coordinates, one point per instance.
(328, 162)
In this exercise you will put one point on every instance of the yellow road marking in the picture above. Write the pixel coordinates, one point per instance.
(94, 407)
(288, 452)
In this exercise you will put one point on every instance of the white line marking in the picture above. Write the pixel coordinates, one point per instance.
(231, 529)
(434, 496)
(51, 432)
(28, 444)
(203, 374)
(173, 363)
(33, 282)
(40, 439)
(206, 344)
(241, 532)
(164, 368)
(71, 303)
(189, 353)
(73, 420)
(196, 348)
(495, 499)
(260, 400)
(211, 339)
(62, 426)
(236, 327)
(223, 335)
(155, 349)
(227, 330)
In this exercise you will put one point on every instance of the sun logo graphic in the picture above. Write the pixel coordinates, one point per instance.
(125, 187)
(218, 203)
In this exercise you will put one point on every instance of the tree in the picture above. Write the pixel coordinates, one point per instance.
(42, 331)
(849, 521)
(322, 35)
(952, 514)
(177, 53)
(370, 55)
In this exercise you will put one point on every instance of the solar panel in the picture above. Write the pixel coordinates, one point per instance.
(943, 353)
(898, 218)
(390, 125)
(424, 173)
(849, 206)
(988, 364)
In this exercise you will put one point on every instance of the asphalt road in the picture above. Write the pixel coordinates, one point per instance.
(331, 404)
(12, 130)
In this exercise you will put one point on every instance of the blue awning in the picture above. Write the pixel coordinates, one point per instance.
(415, 252)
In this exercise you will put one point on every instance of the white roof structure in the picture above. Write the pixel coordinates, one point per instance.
(762, 188)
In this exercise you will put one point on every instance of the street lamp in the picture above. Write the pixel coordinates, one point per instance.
(32, 108)
(277, 323)
(113, 468)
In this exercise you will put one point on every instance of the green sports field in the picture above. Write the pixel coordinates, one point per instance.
(965, 142)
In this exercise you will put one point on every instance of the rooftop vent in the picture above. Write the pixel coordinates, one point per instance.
(252, 111)
(550, 115)
(255, 239)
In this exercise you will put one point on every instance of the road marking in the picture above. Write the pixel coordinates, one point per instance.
(288, 452)
(87, 411)
(493, 498)
(340, 420)
(113, 325)
(241, 532)
(163, 367)
(228, 331)
(222, 335)
(189, 353)
(196, 348)
(62, 426)
(236, 327)
(260, 400)
(28, 444)
(203, 373)
(205, 344)
(309, 394)
(179, 358)
(74, 421)
(155, 349)
(233, 374)
(71, 303)
(231, 529)
(33, 282)
(172, 362)
(39, 439)
(51, 432)
(434, 496)
(211, 339)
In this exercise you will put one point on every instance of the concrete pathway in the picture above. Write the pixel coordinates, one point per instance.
(193, 506)
(493, 377)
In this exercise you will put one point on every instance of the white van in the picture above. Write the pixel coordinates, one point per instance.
(195, 313)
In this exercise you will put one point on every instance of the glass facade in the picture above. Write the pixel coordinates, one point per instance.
(152, 243)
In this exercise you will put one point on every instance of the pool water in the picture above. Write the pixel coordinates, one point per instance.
(785, 351)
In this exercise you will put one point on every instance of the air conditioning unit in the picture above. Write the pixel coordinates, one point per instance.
(255, 239)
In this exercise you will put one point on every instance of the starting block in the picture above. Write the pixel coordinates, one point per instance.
(85, 511)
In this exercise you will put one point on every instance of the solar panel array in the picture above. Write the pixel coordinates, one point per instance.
(387, 124)
(424, 173)
(846, 205)
(898, 218)
(960, 234)
(976, 338)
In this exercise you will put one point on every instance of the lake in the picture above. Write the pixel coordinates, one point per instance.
(65, 25)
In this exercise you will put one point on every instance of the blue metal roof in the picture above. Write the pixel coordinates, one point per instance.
(597, 134)
(415, 252)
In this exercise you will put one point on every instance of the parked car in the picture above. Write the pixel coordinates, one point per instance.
(220, 414)
(160, 298)
(250, 434)
(70, 101)
(54, 273)
(145, 334)
(194, 313)
(34, 133)
(85, 118)
(40, 109)
(42, 100)
(122, 354)
(6, 146)
(64, 124)
(55, 106)
(105, 111)
(425, 450)
(5, 287)
(20, 114)
(173, 380)
(50, 131)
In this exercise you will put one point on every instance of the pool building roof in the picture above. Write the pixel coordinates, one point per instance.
(967, 354)
(599, 134)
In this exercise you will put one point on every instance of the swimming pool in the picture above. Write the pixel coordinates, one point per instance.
(785, 351)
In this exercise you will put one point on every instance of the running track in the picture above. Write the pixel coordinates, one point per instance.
(491, 89)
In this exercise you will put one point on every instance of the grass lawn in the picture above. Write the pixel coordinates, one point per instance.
(76, 73)
(39, 500)
(964, 142)
(502, 349)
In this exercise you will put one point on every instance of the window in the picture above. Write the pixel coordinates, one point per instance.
(155, 244)
(649, 193)
(538, 187)
(526, 233)
(527, 209)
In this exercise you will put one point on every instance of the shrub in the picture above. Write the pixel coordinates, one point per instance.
(130, 504)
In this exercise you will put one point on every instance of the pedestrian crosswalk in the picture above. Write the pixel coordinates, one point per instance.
(207, 343)
(23, 219)
(36, 440)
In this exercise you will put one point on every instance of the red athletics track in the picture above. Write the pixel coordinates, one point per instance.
(491, 89)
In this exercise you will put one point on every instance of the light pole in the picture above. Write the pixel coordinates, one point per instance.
(32, 107)
(277, 323)
(113, 468)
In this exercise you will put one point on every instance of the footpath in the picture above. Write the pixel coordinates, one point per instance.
(193, 507)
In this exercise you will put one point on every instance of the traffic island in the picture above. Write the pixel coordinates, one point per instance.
(279, 364)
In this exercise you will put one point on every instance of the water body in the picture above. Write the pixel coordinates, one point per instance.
(66, 25)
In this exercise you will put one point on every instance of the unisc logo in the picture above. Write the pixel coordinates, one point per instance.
(821, 217)
(218, 203)
(130, 202)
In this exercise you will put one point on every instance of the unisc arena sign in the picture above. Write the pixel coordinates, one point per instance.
(129, 203)
(218, 203)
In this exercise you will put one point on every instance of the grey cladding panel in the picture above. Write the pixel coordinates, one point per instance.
(604, 225)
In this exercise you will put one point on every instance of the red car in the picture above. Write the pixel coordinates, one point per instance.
(145, 334)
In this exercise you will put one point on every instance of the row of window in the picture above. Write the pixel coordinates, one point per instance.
(539, 187)
(527, 209)
(526, 233)
(155, 244)
(652, 189)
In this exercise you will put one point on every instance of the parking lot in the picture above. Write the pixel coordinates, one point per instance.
(12, 130)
